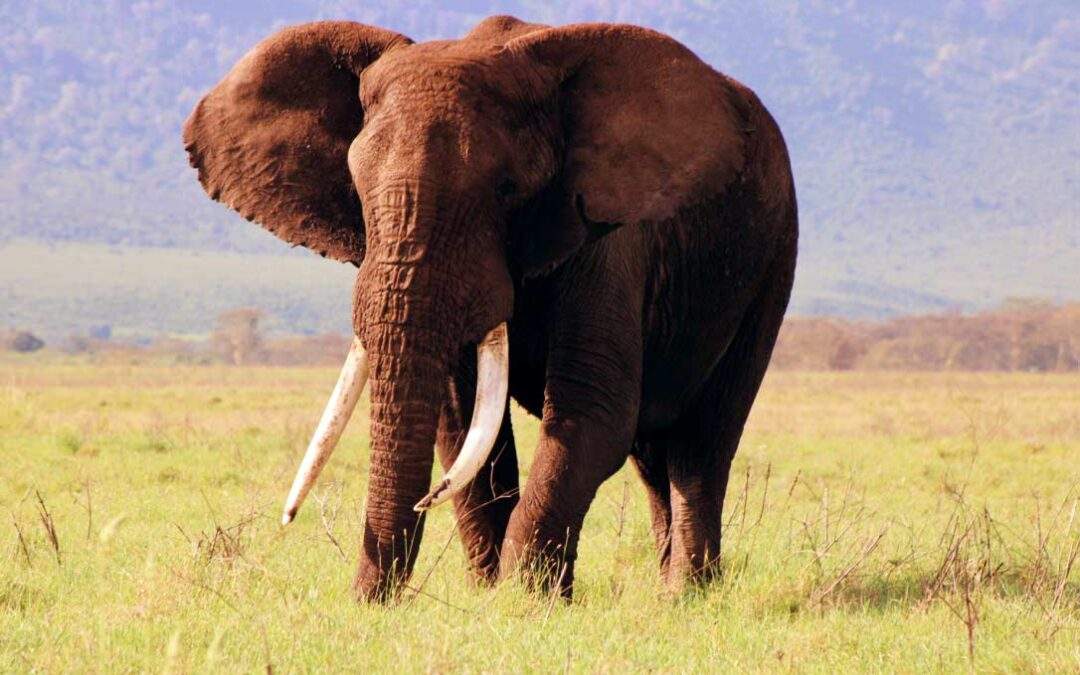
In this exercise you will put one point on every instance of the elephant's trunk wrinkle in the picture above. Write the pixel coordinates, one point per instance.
(408, 368)
(420, 211)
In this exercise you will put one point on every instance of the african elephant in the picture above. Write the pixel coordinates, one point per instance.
(586, 217)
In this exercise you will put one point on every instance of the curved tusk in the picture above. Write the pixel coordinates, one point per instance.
(339, 408)
(492, 382)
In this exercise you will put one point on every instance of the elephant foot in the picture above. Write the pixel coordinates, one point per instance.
(543, 571)
(373, 585)
(693, 554)
(689, 572)
(384, 570)
(544, 561)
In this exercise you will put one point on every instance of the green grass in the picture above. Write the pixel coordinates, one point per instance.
(870, 518)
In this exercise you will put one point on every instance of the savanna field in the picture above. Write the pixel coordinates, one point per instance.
(874, 521)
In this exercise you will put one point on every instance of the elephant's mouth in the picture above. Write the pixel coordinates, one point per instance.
(492, 384)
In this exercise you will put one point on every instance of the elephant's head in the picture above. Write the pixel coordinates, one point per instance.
(445, 170)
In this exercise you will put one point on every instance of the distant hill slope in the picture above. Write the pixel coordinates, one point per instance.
(936, 145)
(57, 290)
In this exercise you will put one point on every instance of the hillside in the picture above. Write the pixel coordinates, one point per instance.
(144, 292)
(141, 292)
(936, 148)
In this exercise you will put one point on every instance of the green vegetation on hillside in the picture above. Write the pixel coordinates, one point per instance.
(934, 144)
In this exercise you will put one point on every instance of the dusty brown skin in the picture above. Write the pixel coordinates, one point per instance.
(626, 208)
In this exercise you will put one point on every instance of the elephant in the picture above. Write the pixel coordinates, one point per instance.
(587, 219)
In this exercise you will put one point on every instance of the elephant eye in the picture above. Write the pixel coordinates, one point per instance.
(506, 188)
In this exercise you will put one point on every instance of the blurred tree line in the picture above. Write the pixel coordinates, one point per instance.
(1022, 335)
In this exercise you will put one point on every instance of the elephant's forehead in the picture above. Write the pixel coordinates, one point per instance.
(450, 69)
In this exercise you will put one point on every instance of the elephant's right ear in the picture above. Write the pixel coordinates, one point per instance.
(271, 140)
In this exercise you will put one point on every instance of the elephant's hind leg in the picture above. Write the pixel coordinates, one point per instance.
(701, 446)
(484, 509)
(650, 459)
(685, 485)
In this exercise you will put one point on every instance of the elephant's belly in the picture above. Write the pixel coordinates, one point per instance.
(673, 377)
(528, 363)
(698, 299)
(677, 361)
(692, 292)
(670, 380)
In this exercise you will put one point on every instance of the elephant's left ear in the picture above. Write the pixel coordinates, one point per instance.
(649, 127)
(271, 140)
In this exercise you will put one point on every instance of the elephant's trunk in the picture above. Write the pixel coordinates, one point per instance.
(422, 293)
(408, 369)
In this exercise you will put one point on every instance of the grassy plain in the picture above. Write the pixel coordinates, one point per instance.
(874, 522)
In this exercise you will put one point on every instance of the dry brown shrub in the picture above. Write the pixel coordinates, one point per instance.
(819, 344)
(1022, 335)
(327, 349)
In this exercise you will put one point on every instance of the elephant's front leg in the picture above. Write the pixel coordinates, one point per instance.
(484, 509)
(590, 415)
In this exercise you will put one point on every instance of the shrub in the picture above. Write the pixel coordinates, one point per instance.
(20, 341)
(1024, 335)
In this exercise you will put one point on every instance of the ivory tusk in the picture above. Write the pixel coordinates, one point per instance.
(492, 383)
(335, 416)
